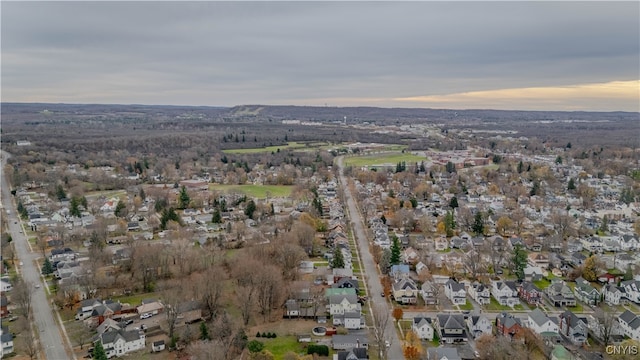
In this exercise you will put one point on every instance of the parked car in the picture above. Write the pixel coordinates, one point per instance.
(146, 315)
(128, 322)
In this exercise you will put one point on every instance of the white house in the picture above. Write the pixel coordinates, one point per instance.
(632, 290)
(613, 294)
(479, 325)
(505, 292)
(351, 320)
(5, 285)
(423, 327)
(339, 304)
(455, 292)
(480, 293)
(630, 324)
(540, 323)
(6, 341)
(119, 343)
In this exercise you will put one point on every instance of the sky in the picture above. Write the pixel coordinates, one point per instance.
(456, 55)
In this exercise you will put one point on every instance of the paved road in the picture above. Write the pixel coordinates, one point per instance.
(369, 266)
(45, 322)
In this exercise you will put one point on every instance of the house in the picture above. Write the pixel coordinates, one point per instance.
(157, 346)
(86, 308)
(479, 325)
(398, 272)
(6, 341)
(630, 324)
(352, 354)
(422, 327)
(530, 293)
(346, 342)
(189, 312)
(538, 259)
(632, 290)
(505, 292)
(352, 320)
(5, 285)
(409, 256)
(4, 302)
(441, 244)
(451, 328)
(443, 353)
(149, 309)
(291, 308)
(586, 293)
(540, 323)
(560, 294)
(573, 327)
(339, 304)
(347, 283)
(577, 258)
(64, 254)
(119, 343)
(614, 295)
(429, 292)
(480, 293)
(106, 310)
(608, 278)
(108, 325)
(508, 325)
(405, 291)
(532, 273)
(455, 292)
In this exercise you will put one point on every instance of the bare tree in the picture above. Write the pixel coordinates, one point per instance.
(381, 318)
(245, 298)
(474, 263)
(27, 339)
(606, 322)
(207, 350)
(21, 295)
(268, 289)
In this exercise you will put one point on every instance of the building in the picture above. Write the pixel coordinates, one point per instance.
(540, 323)
(455, 292)
(423, 327)
(480, 293)
(573, 327)
(479, 325)
(119, 343)
(586, 293)
(508, 325)
(451, 328)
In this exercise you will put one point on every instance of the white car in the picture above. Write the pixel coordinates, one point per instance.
(146, 315)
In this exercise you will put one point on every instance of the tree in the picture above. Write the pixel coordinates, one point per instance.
(142, 194)
(590, 268)
(47, 267)
(121, 209)
(385, 261)
(250, 209)
(606, 324)
(572, 185)
(453, 203)
(204, 331)
(98, 351)
(503, 225)
(216, 218)
(381, 318)
(74, 209)
(412, 348)
(519, 261)
(60, 193)
(478, 223)
(398, 313)
(183, 198)
(604, 226)
(449, 223)
(558, 159)
(450, 167)
(338, 259)
(395, 251)
(255, 346)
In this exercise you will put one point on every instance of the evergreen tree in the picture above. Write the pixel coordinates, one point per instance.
(184, 198)
(47, 267)
(121, 209)
(520, 167)
(142, 195)
(451, 167)
(449, 223)
(453, 203)
(519, 261)
(383, 219)
(98, 351)
(395, 251)
(60, 194)
(204, 331)
(558, 159)
(571, 185)
(535, 189)
(250, 209)
(604, 226)
(168, 215)
(216, 218)
(338, 259)
(74, 209)
(478, 224)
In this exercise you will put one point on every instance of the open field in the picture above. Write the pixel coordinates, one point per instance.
(256, 191)
(268, 149)
(382, 159)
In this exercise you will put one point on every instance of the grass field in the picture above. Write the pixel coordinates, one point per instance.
(106, 193)
(268, 149)
(467, 306)
(382, 159)
(256, 191)
(282, 345)
(494, 305)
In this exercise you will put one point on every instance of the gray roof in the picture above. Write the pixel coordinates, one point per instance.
(627, 316)
(420, 321)
(450, 321)
(538, 317)
(455, 286)
(349, 339)
(450, 353)
(337, 299)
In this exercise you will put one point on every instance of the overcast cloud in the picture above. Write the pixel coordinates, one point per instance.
(414, 54)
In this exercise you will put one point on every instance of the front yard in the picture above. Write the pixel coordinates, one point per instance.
(494, 305)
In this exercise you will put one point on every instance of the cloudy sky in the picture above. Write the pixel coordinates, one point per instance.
(500, 55)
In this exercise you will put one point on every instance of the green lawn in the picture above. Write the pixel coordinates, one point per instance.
(383, 159)
(268, 149)
(467, 306)
(494, 305)
(282, 345)
(255, 191)
(135, 300)
(518, 307)
(106, 193)
(578, 308)
(542, 283)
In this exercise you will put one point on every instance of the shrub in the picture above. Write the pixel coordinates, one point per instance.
(258, 334)
(322, 350)
(264, 334)
(255, 346)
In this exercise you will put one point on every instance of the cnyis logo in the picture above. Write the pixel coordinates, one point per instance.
(622, 350)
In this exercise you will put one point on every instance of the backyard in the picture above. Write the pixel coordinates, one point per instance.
(255, 191)
(388, 159)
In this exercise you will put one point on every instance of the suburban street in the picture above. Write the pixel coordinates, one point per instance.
(45, 324)
(369, 266)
